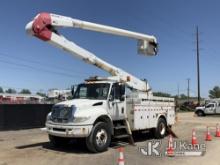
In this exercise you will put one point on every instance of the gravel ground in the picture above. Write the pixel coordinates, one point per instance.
(32, 147)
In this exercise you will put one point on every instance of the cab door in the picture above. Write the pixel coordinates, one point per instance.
(210, 108)
(117, 101)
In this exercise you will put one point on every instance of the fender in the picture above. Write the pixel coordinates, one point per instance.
(107, 119)
(199, 110)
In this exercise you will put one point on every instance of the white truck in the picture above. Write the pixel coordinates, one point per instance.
(103, 108)
(211, 106)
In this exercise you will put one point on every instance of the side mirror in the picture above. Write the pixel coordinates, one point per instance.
(122, 98)
(110, 98)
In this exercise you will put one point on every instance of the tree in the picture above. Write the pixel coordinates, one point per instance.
(10, 90)
(161, 94)
(215, 92)
(183, 96)
(1, 90)
(41, 94)
(25, 91)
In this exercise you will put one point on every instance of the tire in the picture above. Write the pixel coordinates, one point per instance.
(99, 138)
(58, 141)
(161, 129)
(200, 113)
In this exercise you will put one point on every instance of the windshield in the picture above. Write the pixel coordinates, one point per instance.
(97, 91)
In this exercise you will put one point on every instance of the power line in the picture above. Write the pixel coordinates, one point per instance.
(35, 62)
(39, 69)
(160, 20)
(168, 25)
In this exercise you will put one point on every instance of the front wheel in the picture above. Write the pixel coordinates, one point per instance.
(200, 113)
(161, 129)
(100, 138)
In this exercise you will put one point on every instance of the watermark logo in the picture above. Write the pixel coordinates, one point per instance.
(152, 148)
(156, 148)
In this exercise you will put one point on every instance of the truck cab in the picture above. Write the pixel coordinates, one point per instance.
(94, 102)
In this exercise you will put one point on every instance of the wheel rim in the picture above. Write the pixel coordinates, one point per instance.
(162, 129)
(101, 137)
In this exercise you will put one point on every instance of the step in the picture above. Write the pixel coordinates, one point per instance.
(121, 122)
(120, 127)
(122, 136)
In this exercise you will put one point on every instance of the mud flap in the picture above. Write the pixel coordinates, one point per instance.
(170, 132)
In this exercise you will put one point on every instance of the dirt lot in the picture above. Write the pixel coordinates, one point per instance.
(32, 147)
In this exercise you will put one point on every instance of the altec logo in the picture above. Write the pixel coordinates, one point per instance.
(179, 148)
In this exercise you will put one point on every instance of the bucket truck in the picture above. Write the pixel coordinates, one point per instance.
(103, 108)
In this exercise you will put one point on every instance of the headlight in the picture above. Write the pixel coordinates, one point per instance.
(80, 119)
(49, 116)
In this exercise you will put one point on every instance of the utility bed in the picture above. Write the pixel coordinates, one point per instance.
(144, 113)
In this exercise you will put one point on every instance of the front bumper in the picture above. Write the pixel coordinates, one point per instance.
(68, 130)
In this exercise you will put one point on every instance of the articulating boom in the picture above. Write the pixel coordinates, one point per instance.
(45, 25)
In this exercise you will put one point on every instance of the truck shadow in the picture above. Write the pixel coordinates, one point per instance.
(79, 146)
(137, 136)
(73, 147)
(213, 115)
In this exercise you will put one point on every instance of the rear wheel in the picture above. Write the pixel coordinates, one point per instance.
(100, 138)
(161, 129)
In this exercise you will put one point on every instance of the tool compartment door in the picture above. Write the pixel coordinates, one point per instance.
(141, 117)
(170, 115)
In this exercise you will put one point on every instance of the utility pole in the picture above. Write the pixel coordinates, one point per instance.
(198, 68)
(178, 91)
(188, 89)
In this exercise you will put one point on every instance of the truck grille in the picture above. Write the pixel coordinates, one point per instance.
(61, 114)
(59, 129)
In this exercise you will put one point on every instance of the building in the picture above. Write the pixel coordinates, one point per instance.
(20, 98)
(59, 94)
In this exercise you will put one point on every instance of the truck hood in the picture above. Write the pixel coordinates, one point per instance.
(85, 111)
(200, 107)
(82, 103)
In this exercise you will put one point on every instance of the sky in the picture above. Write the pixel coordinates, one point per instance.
(27, 62)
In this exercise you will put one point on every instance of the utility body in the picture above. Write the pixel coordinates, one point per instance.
(103, 108)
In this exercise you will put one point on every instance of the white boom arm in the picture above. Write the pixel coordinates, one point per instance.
(44, 26)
